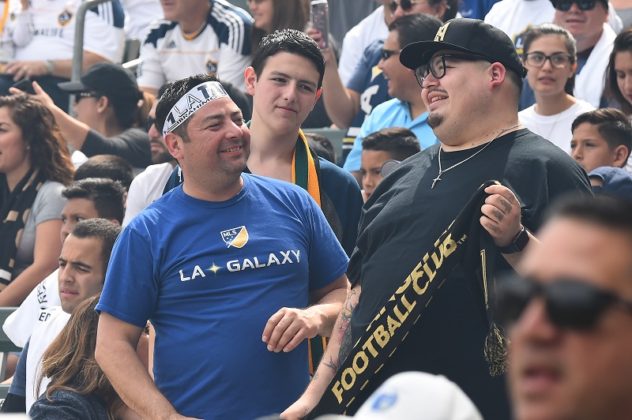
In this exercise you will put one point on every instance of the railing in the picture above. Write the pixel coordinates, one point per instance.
(77, 55)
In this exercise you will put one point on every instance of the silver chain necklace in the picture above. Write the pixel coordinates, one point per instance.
(442, 171)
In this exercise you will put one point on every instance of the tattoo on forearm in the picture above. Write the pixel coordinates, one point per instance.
(331, 364)
(345, 326)
(345, 346)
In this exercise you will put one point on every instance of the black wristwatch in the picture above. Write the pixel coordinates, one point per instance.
(518, 243)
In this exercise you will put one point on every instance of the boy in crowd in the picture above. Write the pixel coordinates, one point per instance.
(387, 145)
(602, 137)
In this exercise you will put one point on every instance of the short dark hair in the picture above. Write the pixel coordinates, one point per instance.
(398, 142)
(107, 195)
(414, 28)
(101, 229)
(289, 41)
(612, 124)
(172, 95)
(603, 210)
(106, 166)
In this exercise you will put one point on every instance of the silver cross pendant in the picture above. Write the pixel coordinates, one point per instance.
(434, 181)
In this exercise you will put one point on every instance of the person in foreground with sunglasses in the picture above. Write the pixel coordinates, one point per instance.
(106, 105)
(570, 319)
(470, 77)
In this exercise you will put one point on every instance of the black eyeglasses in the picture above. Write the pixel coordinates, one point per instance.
(558, 60)
(386, 54)
(437, 67)
(570, 304)
(565, 5)
(406, 5)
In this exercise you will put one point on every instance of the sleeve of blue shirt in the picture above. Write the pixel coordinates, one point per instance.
(130, 291)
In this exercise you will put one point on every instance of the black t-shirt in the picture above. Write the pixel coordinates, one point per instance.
(402, 219)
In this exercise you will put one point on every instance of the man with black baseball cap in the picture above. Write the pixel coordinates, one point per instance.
(107, 102)
(470, 77)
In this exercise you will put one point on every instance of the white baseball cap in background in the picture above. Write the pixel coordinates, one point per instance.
(415, 396)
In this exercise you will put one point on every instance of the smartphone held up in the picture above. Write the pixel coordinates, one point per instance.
(319, 18)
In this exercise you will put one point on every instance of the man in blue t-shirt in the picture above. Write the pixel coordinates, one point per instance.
(219, 265)
(406, 109)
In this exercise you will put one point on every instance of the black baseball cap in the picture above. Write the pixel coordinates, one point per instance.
(471, 36)
(107, 79)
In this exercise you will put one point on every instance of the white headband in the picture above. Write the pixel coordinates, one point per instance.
(193, 100)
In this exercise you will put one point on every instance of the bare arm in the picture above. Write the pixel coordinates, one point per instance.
(60, 68)
(288, 327)
(337, 350)
(116, 354)
(45, 260)
(341, 104)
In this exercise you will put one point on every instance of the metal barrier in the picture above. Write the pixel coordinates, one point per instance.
(77, 55)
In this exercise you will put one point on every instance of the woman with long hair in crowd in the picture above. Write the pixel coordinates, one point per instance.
(34, 168)
(551, 61)
(619, 73)
(270, 15)
(78, 388)
(619, 76)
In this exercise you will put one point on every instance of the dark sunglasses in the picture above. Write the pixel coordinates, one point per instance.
(88, 94)
(565, 5)
(406, 5)
(570, 304)
(386, 54)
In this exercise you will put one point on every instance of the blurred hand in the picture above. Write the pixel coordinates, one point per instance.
(40, 95)
(26, 69)
(328, 54)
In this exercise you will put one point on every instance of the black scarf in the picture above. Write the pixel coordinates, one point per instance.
(464, 241)
(15, 207)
